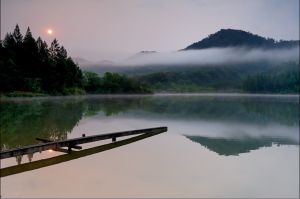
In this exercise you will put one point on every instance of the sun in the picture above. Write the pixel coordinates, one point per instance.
(50, 31)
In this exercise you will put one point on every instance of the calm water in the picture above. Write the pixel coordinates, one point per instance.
(216, 146)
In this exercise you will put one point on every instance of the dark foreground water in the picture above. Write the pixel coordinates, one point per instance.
(216, 146)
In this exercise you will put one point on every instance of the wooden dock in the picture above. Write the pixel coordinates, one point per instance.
(73, 143)
(29, 166)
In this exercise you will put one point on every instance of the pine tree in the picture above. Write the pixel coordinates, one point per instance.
(54, 49)
(62, 53)
(42, 49)
(39, 43)
(9, 41)
(17, 35)
(29, 44)
(28, 36)
(29, 58)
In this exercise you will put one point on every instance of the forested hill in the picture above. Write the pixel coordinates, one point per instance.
(239, 38)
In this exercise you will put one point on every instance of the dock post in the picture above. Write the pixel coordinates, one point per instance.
(69, 149)
(19, 159)
(30, 156)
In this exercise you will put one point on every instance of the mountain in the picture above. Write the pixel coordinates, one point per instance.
(81, 61)
(98, 66)
(105, 62)
(85, 63)
(239, 38)
(240, 62)
(140, 54)
(143, 52)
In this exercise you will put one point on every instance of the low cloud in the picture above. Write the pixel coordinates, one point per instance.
(214, 56)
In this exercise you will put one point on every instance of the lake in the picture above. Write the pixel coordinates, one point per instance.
(217, 145)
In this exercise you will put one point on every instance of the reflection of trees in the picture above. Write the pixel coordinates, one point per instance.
(225, 146)
(258, 110)
(249, 110)
(283, 112)
(111, 105)
(22, 122)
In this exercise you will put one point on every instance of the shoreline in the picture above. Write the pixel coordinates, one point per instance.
(217, 94)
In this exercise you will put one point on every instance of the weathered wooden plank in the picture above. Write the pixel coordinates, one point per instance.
(47, 141)
(68, 157)
(73, 142)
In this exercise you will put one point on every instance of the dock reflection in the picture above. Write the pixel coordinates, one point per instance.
(12, 170)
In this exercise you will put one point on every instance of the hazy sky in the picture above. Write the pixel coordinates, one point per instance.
(114, 29)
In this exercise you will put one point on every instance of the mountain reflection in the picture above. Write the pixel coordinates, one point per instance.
(22, 121)
(226, 146)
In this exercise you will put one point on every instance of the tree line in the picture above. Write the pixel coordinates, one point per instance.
(286, 82)
(30, 65)
(250, 78)
(113, 83)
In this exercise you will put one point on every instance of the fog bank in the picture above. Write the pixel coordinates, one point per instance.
(214, 56)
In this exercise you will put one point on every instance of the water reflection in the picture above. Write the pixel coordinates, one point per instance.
(22, 121)
(168, 165)
(225, 146)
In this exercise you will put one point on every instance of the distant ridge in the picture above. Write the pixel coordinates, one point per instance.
(81, 61)
(85, 63)
(239, 38)
(142, 53)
